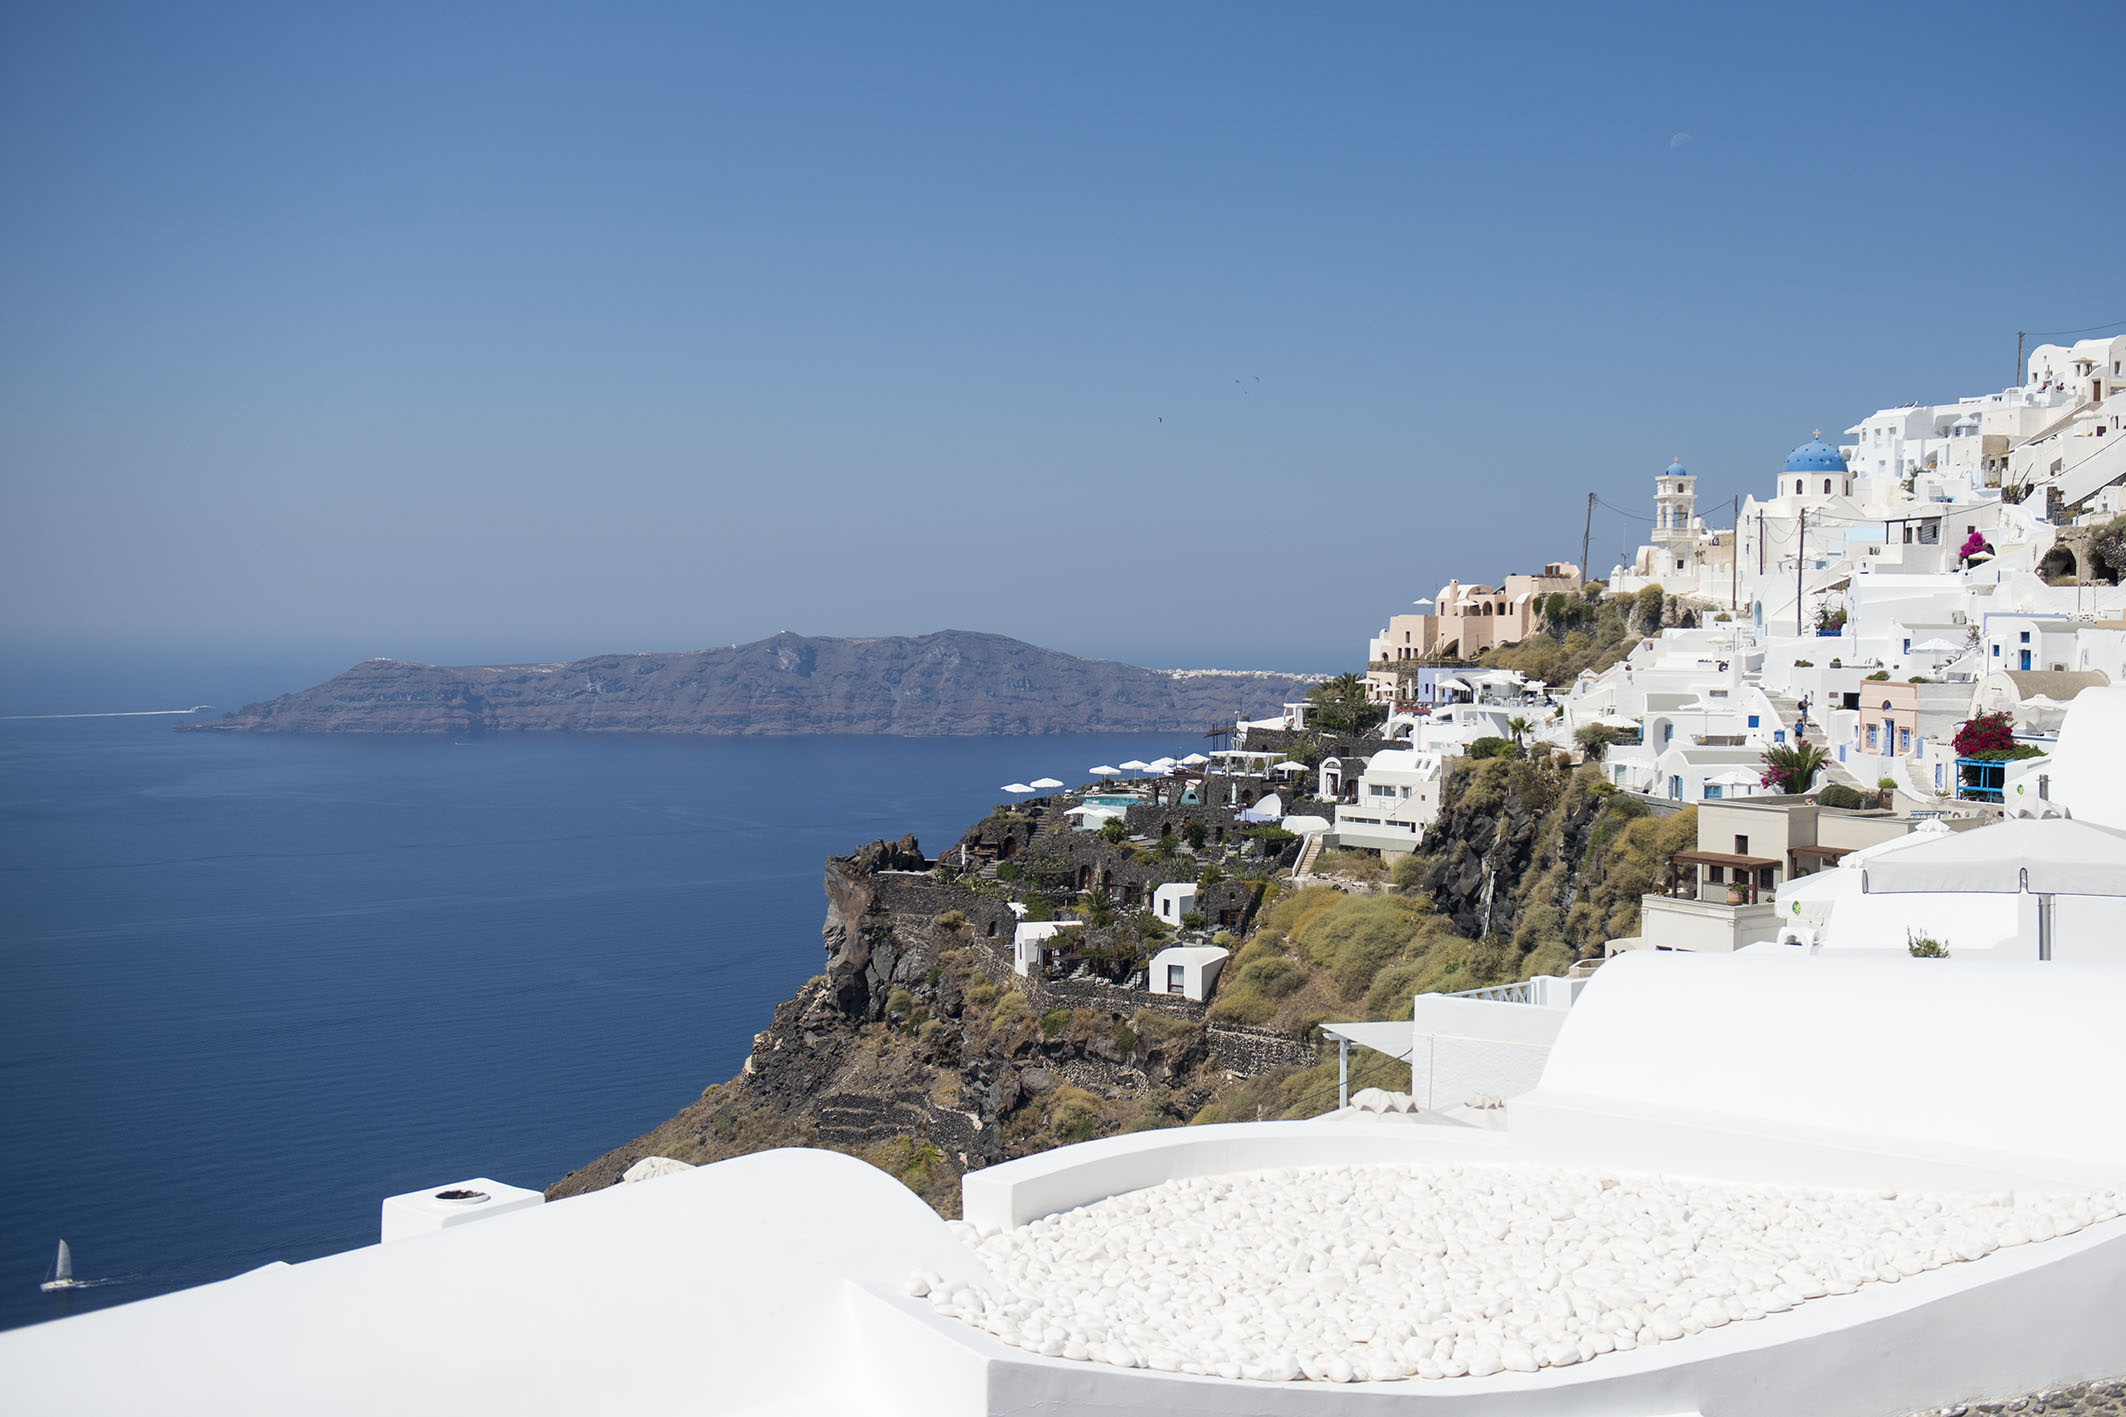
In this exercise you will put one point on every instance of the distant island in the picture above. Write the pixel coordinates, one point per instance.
(952, 683)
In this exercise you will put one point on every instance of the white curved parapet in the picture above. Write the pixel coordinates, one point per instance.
(802, 1281)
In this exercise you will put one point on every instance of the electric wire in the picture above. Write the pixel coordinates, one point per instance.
(2061, 334)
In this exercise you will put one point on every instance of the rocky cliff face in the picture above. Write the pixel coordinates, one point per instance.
(1544, 856)
(918, 1049)
(950, 683)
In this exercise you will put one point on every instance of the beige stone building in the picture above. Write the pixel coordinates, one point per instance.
(1465, 621)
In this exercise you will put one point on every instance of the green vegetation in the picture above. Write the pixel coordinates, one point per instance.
(1878, 676)
(917, 1163)
(1839, 795)
(1359, 865)
(1113, 832)
(1646, 608)
(1321, 954)
(1791, 767)
(1577, 632)
(1339, 705)
(1925, 946)
(952, 921)
(1494, 748)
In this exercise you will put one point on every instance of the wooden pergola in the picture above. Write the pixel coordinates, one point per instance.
(1748, 884)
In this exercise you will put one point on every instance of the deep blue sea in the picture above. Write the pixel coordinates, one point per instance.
(253, 985)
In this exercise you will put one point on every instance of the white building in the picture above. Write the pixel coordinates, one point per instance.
(1172, 901)
(1398, 798)
(1188, 970)
(1033, 944)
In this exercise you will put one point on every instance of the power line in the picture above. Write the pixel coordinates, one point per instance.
(1635, 516)
(2091, 329)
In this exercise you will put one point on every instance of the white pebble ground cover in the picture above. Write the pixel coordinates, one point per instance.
(1378, 1273)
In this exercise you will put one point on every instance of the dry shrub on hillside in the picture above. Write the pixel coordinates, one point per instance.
(1321, 954)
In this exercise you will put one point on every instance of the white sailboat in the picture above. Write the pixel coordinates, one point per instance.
(63, 1271)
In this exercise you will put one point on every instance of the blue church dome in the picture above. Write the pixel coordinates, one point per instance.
(1815, 456)
(1675, 469)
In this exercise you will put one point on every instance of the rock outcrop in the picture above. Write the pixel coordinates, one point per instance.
(920, 1050)
(951, 683)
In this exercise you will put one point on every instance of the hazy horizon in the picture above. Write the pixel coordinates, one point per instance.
(1196, 336)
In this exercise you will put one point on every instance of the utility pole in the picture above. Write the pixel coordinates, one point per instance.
(2018, 359)
(1760, 543)
(1801, 541)
(1586, 532)
(1734, 557)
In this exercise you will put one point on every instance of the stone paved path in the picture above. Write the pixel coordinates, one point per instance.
(2104, 1399)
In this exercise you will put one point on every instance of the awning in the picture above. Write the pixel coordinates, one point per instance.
(1396, 1039)
(1822, 853)
(2056, 856)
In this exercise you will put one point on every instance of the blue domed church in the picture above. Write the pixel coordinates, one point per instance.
(1815, 470)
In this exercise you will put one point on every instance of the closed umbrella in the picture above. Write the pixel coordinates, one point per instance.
(2040, 856)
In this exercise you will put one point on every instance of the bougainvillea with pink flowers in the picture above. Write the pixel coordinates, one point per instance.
(1991, 737)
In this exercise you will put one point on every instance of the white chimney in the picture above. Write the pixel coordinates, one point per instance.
(424, 1212)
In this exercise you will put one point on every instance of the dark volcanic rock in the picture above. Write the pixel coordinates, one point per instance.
(950, 683)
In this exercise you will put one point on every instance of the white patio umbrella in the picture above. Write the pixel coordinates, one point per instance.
(1160, 765)
(1044, 784)
(1289, 765)
(1134, 766)
(1736, 777)
(2040, 856)
(1016, 789)
(1938, 647)
(1105, 772)
(1194, 760)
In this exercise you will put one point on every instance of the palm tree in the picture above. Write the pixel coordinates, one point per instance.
(1519, 728)
(1792, 769)
(1340, 703)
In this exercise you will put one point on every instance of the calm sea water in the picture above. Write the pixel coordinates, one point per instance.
(255, 985)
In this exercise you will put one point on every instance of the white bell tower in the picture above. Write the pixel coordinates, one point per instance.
(1675, 510)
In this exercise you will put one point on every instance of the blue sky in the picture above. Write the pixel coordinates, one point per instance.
(486, 332)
